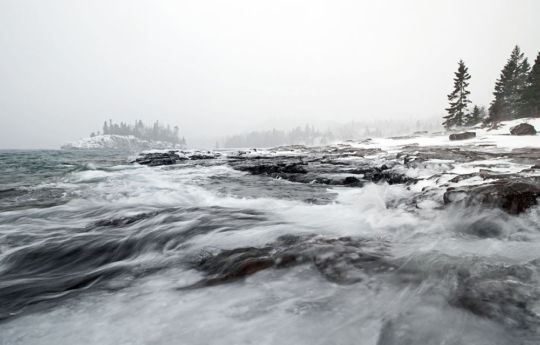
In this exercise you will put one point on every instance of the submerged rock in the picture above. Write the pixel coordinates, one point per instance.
(514, 196)
(484, 228)
(343, 260)
(351, 181)
(503, 293)
(462, 136)
(523, 129)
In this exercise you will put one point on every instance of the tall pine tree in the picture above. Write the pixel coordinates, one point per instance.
(521, 106)
(476, 116)
(509, 88)
(457, 112)
(531, 94)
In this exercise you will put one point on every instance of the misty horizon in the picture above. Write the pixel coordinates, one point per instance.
(217, 70)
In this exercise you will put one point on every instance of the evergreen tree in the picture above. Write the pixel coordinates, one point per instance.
(478, 115)
(458, 98)
(509, 88)
(521, 106)
(531, 94)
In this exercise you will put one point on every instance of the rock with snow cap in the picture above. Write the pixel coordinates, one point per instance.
(523, 129)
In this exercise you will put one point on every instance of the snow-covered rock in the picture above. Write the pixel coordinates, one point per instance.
(117, 142)
(523, 129)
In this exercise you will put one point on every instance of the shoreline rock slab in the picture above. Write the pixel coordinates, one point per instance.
(462, 136)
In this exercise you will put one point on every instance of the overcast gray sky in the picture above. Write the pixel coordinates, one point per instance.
(223, 67)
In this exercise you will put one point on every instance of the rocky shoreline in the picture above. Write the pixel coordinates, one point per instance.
(475, 178)
(344, 165)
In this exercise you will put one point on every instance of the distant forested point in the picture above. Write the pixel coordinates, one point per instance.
(516, 94)
(155, 132)
(307, 135)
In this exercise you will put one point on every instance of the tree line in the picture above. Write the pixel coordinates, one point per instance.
(310, 135)
(156, 132)
(270, 138)
(516, 94)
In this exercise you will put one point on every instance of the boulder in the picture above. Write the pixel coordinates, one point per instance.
(523, 129)
(462, 136)
(352, 181)
(512, 195)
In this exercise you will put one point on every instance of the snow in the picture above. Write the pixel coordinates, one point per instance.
(116, 142)
(499, 138)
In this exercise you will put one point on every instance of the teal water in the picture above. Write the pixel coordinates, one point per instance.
(32, 178)
(97, 250)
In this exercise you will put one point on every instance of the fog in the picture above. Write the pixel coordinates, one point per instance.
(217, 68)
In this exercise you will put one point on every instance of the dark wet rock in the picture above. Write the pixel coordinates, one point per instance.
(462, 136)
(159, 158)
(502, 293)
(274, 169)
(173, 157)
(512, 195)
(351, 181)
(484, 228)
(484, 174)
(327, 170)
(462, 177)
(199, 156)
(234, 264)
(523, 129)
(381, 174)
(343, 260)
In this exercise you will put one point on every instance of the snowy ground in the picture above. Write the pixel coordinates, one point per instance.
(497, 138)
(116, 142)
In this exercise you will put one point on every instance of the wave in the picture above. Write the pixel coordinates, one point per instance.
(158, 254)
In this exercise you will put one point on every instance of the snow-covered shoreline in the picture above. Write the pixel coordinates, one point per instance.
(493, 168)
(117, 142)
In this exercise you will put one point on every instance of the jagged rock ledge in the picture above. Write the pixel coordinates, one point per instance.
(173, 157)
(467, 173)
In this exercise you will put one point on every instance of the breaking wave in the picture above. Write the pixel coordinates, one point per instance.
(101, 251)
